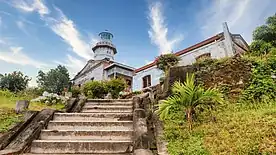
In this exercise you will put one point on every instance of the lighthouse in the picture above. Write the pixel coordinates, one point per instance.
(104, 49)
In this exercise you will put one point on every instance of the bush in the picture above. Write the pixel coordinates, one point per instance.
(95, 89)
(115, 86)
(75, 91)
(262, 86)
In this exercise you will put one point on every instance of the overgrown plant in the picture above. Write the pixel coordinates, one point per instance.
(187, 97)
(115, 86)
(166, 61)
(95, 89)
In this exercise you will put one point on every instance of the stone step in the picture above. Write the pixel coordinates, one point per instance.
(106, 110)
(93, 116)
(78, 154)
(89, 125)
(110, 103)
(88, 135)
(109, 100)
(80, 146)
(108, 106)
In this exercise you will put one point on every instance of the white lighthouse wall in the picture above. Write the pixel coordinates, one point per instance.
(97, 73)
(104, 52)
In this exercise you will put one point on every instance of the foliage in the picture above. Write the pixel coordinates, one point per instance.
(264, 37)
(7, 104)
(7, 118)
(137, 92)
(237, 129)
(15, 81)
(55, 80)
(75, 91)
(262, 86)
(115, 86)
(95, 89)
(187, 97)
(166, 61)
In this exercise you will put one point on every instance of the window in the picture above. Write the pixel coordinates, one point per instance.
(204, 56)
(146, 81)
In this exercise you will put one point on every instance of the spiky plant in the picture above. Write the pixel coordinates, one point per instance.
(187, 97)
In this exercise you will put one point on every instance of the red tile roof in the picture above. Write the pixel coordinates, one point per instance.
(205, 42)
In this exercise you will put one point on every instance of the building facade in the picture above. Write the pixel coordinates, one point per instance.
(221, 45)
(103, 66)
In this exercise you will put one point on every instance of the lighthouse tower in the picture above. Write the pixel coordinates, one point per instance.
(104, 49)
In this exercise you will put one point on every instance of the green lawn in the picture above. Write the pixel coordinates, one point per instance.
(231, 129)
(7, 115)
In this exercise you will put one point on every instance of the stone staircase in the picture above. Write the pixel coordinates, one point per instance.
(103, 127)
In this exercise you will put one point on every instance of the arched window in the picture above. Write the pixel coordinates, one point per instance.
(204, 56)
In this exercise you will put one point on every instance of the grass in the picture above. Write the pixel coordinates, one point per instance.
(231, 129)
(7, 115)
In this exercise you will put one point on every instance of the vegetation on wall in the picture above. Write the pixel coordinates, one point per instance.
(246, 122)
(166, 61)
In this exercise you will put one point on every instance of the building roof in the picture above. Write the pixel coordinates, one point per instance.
(189, 49)
(120, 65)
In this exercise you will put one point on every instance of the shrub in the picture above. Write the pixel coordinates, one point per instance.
(75, 91)
(262, 86)
(95, 89)
(166, 61)
(115, 86)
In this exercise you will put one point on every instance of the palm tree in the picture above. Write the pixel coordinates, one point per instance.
(187, 97)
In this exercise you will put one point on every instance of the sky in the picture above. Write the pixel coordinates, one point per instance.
(41, 34)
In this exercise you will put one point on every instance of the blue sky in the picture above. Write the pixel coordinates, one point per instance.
(40, 34)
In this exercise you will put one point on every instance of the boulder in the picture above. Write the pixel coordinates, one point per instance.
(21, 105)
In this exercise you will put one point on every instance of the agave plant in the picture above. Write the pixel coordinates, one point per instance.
(188, 96)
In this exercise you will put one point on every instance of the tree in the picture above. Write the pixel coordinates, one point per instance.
(55, 80)
(166, 61)
(188, 97)
(264, 37)
(15, 81)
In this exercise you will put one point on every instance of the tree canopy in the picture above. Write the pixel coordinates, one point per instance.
(166, 61)
(264, 37)
(55, 80)
(15, 81)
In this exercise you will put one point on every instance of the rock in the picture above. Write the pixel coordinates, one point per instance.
(21, 105)
(142, 152)
(108, 96)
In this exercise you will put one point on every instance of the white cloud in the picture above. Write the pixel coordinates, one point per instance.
(21, 25)
(31, 6)
(73, 64)
(15, 55)
(242, 16)
(159, 30)
(66, 29)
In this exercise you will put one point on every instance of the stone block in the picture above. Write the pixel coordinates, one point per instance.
(21, 105)
(142, 152)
